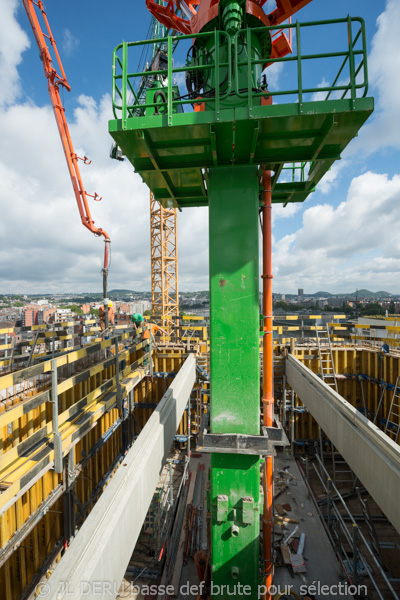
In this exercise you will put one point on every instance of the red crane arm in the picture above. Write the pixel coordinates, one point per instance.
(194, 20)
(54, 81)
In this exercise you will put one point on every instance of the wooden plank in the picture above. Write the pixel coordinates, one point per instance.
(23, 408)
(285, 554)
(177, 572)
(281, 511)
(191, 487)
(286, 520)
(298, 564)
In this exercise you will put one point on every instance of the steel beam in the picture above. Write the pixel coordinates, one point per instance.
(96, 561)
(369, 452)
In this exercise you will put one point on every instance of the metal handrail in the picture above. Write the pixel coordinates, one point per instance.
(123, 80)
(126, 77)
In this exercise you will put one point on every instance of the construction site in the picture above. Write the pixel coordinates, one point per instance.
(221, 455)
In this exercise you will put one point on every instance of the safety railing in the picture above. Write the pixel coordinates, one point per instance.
(346, 68)
(357, 47)
(124, 82)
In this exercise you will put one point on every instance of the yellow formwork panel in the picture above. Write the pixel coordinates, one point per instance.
(79, 394)
(351, 361)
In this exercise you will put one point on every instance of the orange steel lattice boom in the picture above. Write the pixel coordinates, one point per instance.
(54, 81)
(197, 13)
(164, 260)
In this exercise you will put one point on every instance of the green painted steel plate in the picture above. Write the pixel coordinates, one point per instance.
(173, 158)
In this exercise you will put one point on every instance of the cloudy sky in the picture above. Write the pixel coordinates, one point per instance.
(345, 236)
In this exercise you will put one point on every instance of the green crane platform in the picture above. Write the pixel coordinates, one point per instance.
(213, 156)
(171, 159)
(173, 150)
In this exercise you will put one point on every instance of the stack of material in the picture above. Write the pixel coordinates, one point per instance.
(195, 516)
(192, 530)
(292, 545)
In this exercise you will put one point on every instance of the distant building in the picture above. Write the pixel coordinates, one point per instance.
(140, 307)
(43, 302)
(336, 302)
(122, 319)
(29, 317)
(125, 307)
(300, 292)
(44, 316)
(62, 314)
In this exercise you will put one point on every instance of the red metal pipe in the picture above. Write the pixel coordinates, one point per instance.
(268, 378)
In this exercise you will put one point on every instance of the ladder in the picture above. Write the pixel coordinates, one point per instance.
(392, 427)
(328, 374)
(341, 471)
(202, 365)
(202, 389)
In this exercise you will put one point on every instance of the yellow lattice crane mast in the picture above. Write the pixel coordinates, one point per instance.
(164, 260)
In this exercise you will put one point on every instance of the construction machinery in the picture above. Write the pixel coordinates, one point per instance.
(163, 221)
(57, 79)
(228, 153)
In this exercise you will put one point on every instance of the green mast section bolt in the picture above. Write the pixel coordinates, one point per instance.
(232, 16)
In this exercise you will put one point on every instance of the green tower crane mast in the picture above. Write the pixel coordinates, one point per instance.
(224, 143)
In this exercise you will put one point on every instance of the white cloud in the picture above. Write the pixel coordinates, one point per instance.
(13, 42)
(285, 212)
(70, 42)
(44, 245)
(273, 73)
(317, 96)
(383, 129)
(355, 244)
(332, 177)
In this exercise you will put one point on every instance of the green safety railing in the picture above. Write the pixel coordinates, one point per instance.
(126, 103)
(123, 80)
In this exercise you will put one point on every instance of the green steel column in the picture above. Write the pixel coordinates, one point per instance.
(235, 375)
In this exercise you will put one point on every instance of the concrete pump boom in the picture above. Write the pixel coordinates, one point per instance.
(54, 81)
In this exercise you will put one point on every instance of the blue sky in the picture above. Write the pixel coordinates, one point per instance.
(345, 236)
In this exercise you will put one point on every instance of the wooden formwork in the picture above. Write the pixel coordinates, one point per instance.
(94, 432)
(366, 379)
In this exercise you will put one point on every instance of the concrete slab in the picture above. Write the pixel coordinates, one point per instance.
(323, 568)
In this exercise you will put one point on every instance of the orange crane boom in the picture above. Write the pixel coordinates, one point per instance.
(54, 81)
(197, 13)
